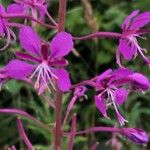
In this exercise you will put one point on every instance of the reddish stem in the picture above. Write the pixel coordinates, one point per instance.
(23, 135)
(73, 130)
(58, 131)
(25, 114)
(99, 35)
(15, 15)
(17, 25)
(69, 108)
(109, 34)
(95, 129)
(61, 15)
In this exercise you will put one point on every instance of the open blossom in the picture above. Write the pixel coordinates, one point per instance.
(113, 88)
(129, 47)
(44, 63)
(5, 25)
(37, 8)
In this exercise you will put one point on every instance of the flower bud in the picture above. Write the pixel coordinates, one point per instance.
(79, 91)
(136, 135)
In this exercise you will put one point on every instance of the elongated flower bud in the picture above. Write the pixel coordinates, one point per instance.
(136, 135)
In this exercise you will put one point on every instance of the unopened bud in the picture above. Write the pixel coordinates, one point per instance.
(138, 136)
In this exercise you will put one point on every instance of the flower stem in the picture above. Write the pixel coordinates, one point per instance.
(23, 134)
(58, 130)
(73, 130)
(99, 35)
(95, 129)
(61, 15)
(22, 16)
(73, 100)
(23, 113)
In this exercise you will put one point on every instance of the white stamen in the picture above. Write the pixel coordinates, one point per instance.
(99, 95)
(44, 74)
(119, 116)
(47, 72)
(113, 100)
(133, 40)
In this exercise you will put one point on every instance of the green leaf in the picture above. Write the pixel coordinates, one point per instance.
(14, 86)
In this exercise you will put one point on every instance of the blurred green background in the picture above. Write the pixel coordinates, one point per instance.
(88, 59)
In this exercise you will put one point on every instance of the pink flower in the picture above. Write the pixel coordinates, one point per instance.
(113, 88)
(5, 25)
(45, 62)
(129, 47)
(37, 8)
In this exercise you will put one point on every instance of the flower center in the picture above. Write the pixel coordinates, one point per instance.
(44, 76)
(111, 101)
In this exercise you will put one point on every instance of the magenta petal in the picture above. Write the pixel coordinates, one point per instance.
(140, 23)
(104, 75)
(15, 8)
(27, 57)
(1, 28)
(123, 72)
(58, 62)
(119, 77)
(30, 41)
(42, 9)
(18, 69)
(101, 106)
(141, 20)
(2, 9)
(127, 52)
(121, 95)
(61, 44)
(141, 80)
(63, 80)
(143, 15)
(126, 23)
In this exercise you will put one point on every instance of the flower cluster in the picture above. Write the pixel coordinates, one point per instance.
(113, 87)
(42, 63)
